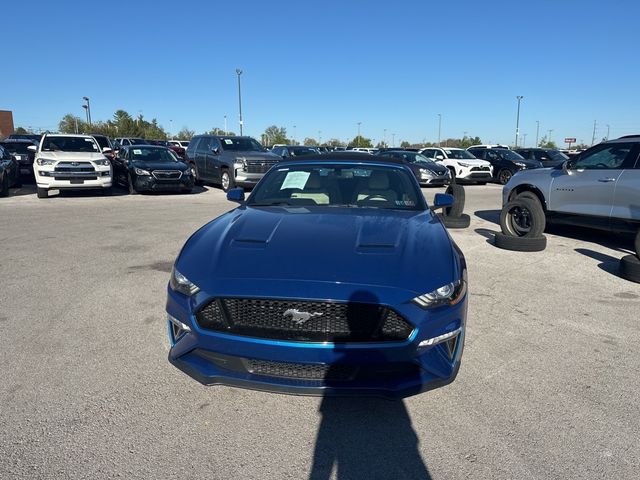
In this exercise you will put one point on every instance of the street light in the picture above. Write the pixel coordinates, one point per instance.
(524, 139)
(87, 107)
(294, 135)
(439, 127)
(358, 137)
(549, 139)
(519, 97)
(319, 137)
(225, 124)
(171, 127)
(537, 131)
(393, 139)
(384, 137)
(239, 72)
(86, 113)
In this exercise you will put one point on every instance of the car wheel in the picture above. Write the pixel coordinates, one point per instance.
(504, 176)
(457, 192)
(520, 244)
(522, 217)
(462, 221)
(226, 181)
(42, 192)
(130, 187)
(4, 186)
(630, 268)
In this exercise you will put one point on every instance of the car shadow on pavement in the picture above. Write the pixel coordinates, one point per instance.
(607, 263)
(366, 437)
(492, 216)
(25, 189)
(619, 242)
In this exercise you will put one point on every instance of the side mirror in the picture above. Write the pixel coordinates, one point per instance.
(215, 151)
(442, 200)
(236, 195)
(439, 157)
(566, 167)
(32, 148)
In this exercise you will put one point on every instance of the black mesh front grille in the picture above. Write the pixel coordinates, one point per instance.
(300, 370)
(304, 320)
(479, 169)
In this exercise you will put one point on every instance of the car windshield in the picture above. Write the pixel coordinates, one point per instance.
(151, 154)
(69, 144)
(243, 144)
(17, 147)
(138, 141)
(459, 154)
(355, 186)
(556, 155)
(296, 151)
(509, 155)
(102, 141)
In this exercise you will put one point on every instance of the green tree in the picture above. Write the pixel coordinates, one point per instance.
(275, 134)
(22, 131)
(310, 142)
(334, 142)
(382, 145)
(546, 143)
(405, 144)
(360, 141)
(185, 134)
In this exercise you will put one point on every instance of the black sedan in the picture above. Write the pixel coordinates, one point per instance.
(426, 170)
(20, 151)
(151, 168)
(9, 172)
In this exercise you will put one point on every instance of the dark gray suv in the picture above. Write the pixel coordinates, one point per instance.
(228, 161)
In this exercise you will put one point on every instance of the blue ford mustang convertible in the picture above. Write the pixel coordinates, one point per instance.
(334, 277)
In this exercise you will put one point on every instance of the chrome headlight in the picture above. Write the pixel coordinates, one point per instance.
(102, 163)
(425, 172)
(140, 171)
(449, 294)
(465, 165)
(240, 162)
(45, 161)
(521, 165)
(181, 284)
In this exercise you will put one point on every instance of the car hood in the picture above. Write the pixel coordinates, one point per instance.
(71, 156)
(160, 165)
(290, 251)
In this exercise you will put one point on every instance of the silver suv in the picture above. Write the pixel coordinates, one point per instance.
(600, 188)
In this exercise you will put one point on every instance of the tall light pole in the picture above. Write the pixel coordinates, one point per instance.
(171, 127)
(239, 72)
(358, 137)
(384, 137)
(519, 97)
(537, 131)
(608, 131)
(86, 112)
(319, 137)
(439, 127)
(88, 109)
(393, 139)
(524, 139)
(294, 135)
(549, 139)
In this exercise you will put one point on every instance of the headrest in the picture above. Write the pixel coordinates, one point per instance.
(378, 181)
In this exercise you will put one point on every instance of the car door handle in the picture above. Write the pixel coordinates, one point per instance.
(607, 180)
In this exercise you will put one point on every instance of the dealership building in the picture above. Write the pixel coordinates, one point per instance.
(6, 123)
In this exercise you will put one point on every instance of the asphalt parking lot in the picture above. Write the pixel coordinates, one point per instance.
(548, 386)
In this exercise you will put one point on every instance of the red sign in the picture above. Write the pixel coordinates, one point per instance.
(569, 140)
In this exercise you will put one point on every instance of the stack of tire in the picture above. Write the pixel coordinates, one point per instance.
(630, 265)
(522, 222)
(453, 216)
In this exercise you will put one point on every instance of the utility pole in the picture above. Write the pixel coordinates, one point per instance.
(225, 124)
(384, 137)
(319, 137)
(171, 127)
(239, 72)
(608, 132)
(294, 135)
(537, 131)
(549, 139)
(593, 137)
(519, 98)
(393, 139)
(358, 137)
(439, 127)
(524, 139)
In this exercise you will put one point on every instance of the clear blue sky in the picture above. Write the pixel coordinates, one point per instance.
(328, 65)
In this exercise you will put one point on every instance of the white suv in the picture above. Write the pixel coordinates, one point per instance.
(462, 164)
(70, 162)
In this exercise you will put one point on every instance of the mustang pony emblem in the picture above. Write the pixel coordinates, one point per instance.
(300, 317)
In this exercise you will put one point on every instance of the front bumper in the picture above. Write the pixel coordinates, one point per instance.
(245, 179)
(151, 184)
(393, 369)
(48, 177)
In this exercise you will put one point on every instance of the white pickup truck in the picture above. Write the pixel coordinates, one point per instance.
(70, 162)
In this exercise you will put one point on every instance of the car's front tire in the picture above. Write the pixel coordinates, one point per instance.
(4, 186)
(42, 192)
(130, 187)
(522, 217)
(457, 192)
(504, 176)
(226, 181)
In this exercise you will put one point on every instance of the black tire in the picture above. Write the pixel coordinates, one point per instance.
(504, 176)
(520, 244)
(638, 244)
(130, 187)
(457, 191)
(522, 217)
(630, 268)
(463, 221)
(18, 183)
(452, 172)
(194, 173)
(4, 186)
(42, 192)
(529, 195)
(227, 181)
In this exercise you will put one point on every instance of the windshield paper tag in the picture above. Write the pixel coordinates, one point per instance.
(137, 152)
(295, 180)
(228, 142)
